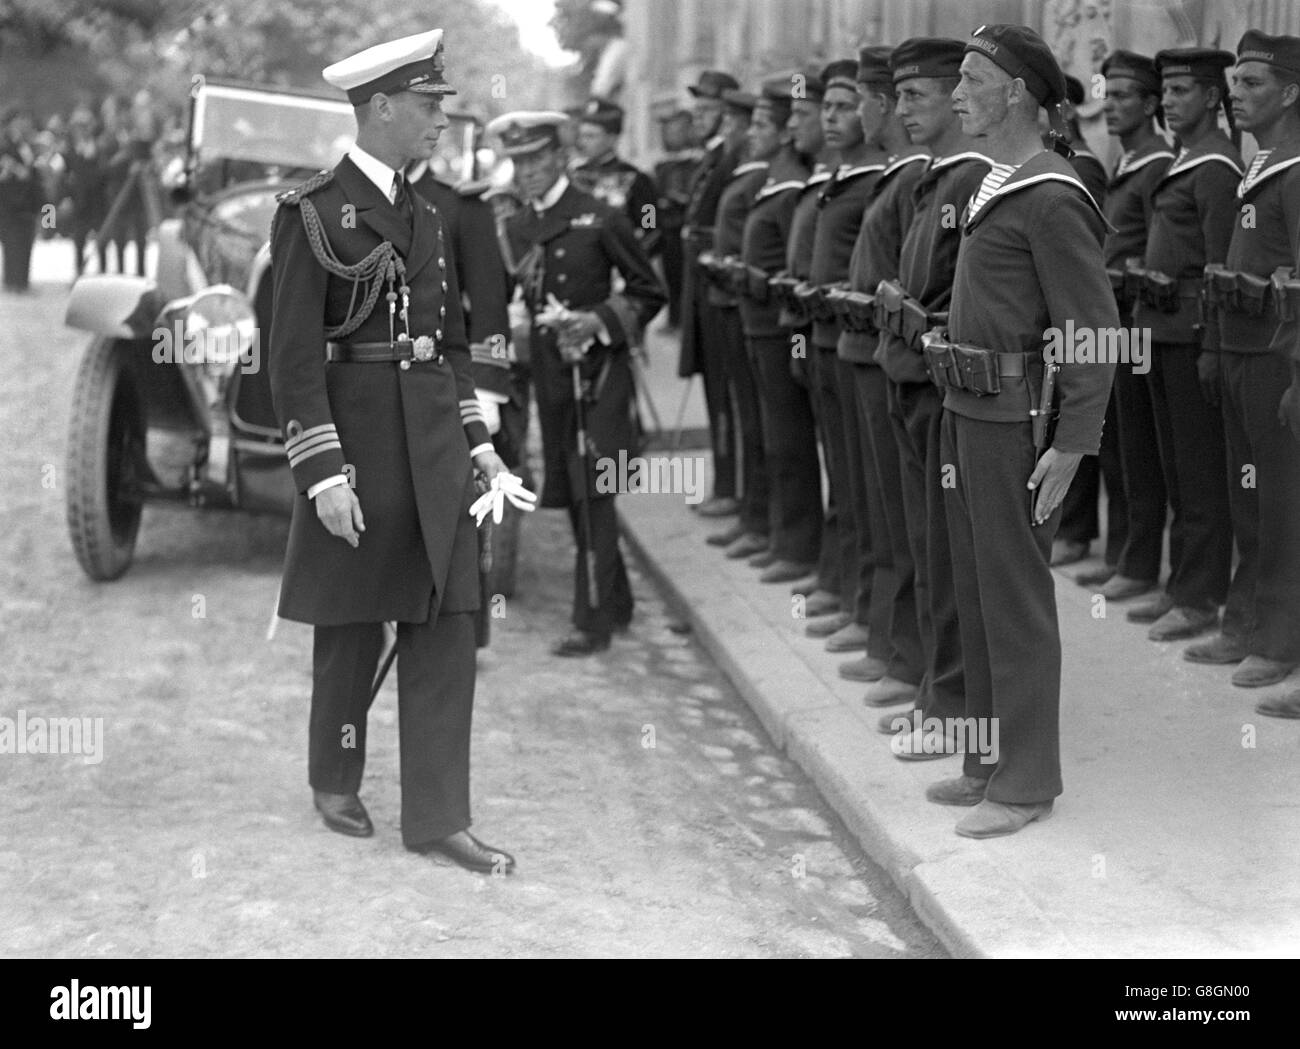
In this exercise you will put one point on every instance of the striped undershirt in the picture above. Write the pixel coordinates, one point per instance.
(998, 174)
(1256, 166)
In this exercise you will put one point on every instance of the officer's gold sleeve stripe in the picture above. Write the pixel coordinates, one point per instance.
(305, 453)
(315, 431)
(321, 438)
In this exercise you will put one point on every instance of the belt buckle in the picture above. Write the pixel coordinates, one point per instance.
(423, 348)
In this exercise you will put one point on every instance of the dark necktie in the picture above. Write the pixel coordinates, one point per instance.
(402, 199)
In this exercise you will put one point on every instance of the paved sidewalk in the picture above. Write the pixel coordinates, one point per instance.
(1178, 833)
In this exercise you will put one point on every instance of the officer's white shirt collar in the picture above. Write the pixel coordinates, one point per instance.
(552, 196)
(374, 169)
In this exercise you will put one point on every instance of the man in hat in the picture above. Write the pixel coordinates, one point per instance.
(1255, 344)
(1129, 460)
(600, 171)
(700, 326)
(788, 433)
(500, 382)
(21, 197)
(925, 72)
(892, 656)
(821, 591)
(749, 536)
(1079, 522)
(370, 376)
(569, 247)
(672, 178)
(1178, 217)
(1030, 262)
(859, 159)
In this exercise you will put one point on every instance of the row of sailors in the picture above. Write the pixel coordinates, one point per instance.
(877, 252)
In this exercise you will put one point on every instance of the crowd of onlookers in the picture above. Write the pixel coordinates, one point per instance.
(62, 177)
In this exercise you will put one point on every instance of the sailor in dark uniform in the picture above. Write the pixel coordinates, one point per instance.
(609, 178)
(569, 246)
(1030, 260)
(370, 376)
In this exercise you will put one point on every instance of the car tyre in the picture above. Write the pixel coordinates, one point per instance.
(106, 455)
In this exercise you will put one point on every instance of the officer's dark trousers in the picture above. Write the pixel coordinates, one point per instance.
(789, 451)
(755, 489)
(874, 485)
(1079, 512)
(840, 527)
(613, 592)
(672, 263)
(717, 394)
(1006, 605)
(1144, 482)
(17, 235)
(1264, 497)
(915, 415)
(1193, 459)
(435, 699)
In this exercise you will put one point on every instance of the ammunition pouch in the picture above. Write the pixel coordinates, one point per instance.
(782, 288)
(853, 309)
(888, 313)
(813, 299)
(709, 266)
(732, 272)
(960, 366)
(1159, 290)
(1222, 293)
(940, 361)
(1231, 291)
(1254, 294)
(1286, 294)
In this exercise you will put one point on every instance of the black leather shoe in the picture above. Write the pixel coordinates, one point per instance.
(465, 849)
(344, 813)
(726, 537)
(580, 643)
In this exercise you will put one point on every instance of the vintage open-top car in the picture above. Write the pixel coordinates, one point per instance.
(171, 400)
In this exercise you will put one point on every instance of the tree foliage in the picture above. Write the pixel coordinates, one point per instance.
(284, 42)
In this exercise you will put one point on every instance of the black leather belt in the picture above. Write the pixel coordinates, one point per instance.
(1011, 365)
(421, 349)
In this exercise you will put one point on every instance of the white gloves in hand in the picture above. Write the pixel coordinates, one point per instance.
(503, 486)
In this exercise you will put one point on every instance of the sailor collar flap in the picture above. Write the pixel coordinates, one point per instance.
(940, 163)
(1278, 161)
(1040, 168)
(816, 179)
(749, 169)
(1195, 157)
(1148, 154)
(771, 189)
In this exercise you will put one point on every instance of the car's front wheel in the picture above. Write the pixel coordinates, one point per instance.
(106, 447)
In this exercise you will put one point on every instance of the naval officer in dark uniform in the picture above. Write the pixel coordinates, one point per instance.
(370, 376)
(609, 178)
(569, 246)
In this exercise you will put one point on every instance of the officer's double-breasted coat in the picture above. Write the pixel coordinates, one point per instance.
(402, 434)
(577, 246)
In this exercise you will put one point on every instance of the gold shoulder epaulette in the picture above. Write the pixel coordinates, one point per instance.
(294, 196)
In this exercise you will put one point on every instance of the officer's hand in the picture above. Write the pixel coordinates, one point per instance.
(339, 511)
(579, 327)
(1207, 370)
(1051, 479)
(1288, 411)
(489, 464)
